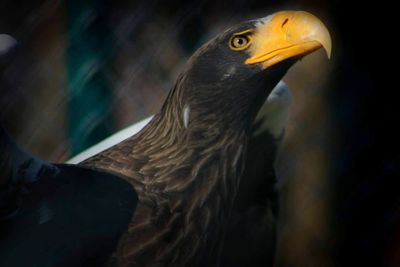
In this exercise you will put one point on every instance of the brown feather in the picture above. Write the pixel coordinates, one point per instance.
(187, 178)
(185, 190)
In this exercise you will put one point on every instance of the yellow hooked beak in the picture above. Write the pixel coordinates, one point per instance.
(287, 34)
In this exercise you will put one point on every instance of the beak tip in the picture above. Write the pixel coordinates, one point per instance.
(328, 51)
(328, 47)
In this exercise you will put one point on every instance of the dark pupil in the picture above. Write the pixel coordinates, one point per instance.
(240, 41)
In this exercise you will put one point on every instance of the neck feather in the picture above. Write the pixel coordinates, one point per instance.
(186, 178)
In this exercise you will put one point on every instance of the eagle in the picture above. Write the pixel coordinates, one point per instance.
(256, 202)
(165, 196)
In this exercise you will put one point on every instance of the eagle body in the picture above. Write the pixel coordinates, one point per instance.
(187, 174)
(185, 191)
(185, 167)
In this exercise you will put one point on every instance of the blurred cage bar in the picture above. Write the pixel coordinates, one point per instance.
(81, 70)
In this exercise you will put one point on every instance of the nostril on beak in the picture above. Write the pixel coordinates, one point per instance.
(284, 22)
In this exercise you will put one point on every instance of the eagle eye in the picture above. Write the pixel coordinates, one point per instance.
(240, 41)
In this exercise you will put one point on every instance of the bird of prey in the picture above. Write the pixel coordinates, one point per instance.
(251, 231)
(185, 167)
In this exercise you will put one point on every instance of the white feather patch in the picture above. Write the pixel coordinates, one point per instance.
(110, 141)
(186, 116)
(275, 112)
(263, 20)
(6, 43)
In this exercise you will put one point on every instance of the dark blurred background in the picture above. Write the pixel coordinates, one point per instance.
(81, 70)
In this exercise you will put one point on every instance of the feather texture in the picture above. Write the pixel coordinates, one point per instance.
(186, 186)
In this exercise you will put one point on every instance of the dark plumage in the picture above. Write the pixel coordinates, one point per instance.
(58, 215)
(187, 176)
(251, 232)
(186, 164)
(187, 179)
